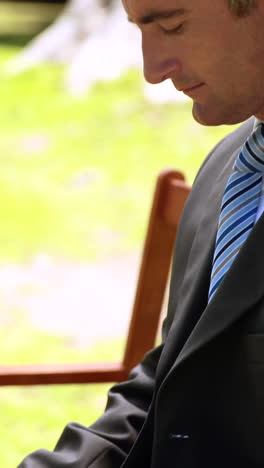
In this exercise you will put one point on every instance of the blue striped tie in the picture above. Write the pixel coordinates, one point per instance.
(239, 206)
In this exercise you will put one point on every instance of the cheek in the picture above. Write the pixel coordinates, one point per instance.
(219, 70)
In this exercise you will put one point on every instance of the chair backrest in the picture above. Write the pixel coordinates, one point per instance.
(170, 194)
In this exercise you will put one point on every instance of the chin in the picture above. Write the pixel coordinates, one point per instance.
(209, 117)
(206, 119)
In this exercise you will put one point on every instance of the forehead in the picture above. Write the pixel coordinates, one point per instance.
(140, 8)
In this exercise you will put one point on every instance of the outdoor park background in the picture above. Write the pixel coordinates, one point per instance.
(76, 179)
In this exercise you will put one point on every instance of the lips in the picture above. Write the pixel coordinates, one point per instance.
(192, 88)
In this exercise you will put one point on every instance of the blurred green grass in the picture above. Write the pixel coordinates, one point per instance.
(34, 417)
(75, 182)
(76, 176)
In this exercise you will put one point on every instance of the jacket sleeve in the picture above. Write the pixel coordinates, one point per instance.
(107, 442)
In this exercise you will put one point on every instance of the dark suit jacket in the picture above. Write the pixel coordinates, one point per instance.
(198, 399)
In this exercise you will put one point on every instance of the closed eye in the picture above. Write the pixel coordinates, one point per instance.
(178, 30)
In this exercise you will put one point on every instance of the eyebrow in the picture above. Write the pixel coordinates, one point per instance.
(158, 15)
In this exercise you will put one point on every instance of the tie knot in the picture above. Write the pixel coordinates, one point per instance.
(251, 157)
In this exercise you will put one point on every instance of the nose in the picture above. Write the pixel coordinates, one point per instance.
(160, 62)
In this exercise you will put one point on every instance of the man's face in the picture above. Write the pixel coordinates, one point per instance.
(215, 57)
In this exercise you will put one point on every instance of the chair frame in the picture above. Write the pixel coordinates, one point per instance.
(169, 198)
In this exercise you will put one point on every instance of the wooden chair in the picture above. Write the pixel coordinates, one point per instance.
(169, 197)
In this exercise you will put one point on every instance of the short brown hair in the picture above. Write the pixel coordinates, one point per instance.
(242, 7)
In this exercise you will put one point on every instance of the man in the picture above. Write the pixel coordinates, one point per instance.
(198, 399)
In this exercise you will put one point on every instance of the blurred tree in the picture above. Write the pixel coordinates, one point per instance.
(86, 35)
(96, 41)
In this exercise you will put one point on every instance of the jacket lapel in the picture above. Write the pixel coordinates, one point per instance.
(194, 289)
(242, 288)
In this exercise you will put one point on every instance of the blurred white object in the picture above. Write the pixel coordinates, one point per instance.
(105, 55)
(163, 93)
